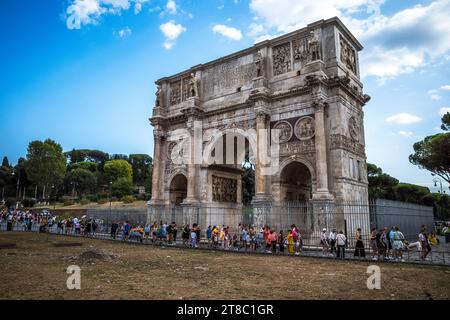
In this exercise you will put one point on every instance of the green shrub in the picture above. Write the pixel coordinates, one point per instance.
(128, 199)
(92, 197)
(102, 201)
(28, 203)
(122, 187)
(84, 202)
(68, 203)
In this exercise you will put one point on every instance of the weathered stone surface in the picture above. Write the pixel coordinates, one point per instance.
(305, 84)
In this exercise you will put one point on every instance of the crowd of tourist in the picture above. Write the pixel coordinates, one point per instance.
(385, 243)
(45, 221)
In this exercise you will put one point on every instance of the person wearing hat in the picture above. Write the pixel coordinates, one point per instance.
(324, 241)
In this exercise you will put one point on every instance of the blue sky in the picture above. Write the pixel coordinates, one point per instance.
(82, 72)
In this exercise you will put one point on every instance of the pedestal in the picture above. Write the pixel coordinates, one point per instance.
(156, 211)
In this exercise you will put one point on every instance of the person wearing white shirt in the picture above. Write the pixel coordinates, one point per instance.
(341, 241)
(332, 238)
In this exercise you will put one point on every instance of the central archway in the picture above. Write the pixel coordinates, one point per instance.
(295, 182)
(178, 189)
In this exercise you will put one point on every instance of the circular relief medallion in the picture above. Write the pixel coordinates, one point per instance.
(304, 128)
(175, 151)
(353, 128)
(285, 131)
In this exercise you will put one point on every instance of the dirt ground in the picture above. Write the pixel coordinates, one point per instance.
(36, 269)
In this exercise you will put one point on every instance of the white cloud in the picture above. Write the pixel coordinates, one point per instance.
(123, 33)
(434, 94)
(221, 7)
(288, 15)
(443, 111)
(394, 45)
(171, 7)
(445, 87)
(414, 37)
(405, 133)
(255, 29)
(403, 118)
(388, 64)
(435, 97)
(84, 12)
(171, 31)
(137, 8)
(228, 32)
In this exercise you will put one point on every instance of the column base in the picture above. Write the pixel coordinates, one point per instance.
(261, 199)
(322, 195)
(190, 201)
(260, 82)
(156, 210)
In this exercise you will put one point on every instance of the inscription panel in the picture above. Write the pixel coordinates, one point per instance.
(227, 77)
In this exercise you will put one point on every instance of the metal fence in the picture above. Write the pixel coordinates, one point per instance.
(133, 216)
(309, 217)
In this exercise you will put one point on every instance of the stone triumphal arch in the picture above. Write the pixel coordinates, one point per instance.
(304, 86)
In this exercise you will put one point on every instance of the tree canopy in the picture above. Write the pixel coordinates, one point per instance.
(433, 154)
(46, 163)
(140, 164)
(82, 180)
(116, 169)
(381, 184)
(445, 122)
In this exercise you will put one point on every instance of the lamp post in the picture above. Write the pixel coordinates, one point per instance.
(436, 180)
(110, 209)
(50, 199)
(17, 188)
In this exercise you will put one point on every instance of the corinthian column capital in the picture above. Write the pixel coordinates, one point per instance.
(159, 135)
(319, 105)
(261, 116)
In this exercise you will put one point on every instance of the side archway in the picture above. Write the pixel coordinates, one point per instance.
(296, 181)
(177, 189)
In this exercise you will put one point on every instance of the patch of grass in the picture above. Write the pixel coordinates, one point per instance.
(147, 272)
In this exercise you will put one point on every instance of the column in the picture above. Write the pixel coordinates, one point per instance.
(194, 125)
(191, 196)
(322, 191)
(261, 155)
(157, 166)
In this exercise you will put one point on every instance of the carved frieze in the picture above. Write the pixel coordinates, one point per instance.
(175, 93)
(339, 141)
(307, 49)
(300, 47)
(224, 189)
(185, 94)
(282, 59)
(348, 55)
(298, 147)
(285, 131)
(304, 128)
